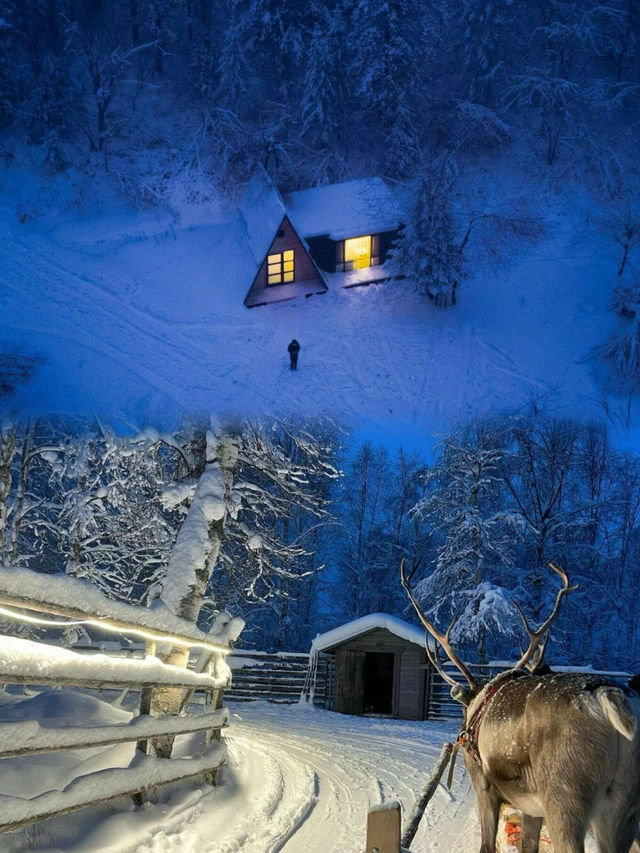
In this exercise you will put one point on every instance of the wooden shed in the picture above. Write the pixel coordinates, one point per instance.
(379, 667)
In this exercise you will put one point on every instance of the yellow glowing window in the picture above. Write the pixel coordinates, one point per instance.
(357, 250)
(280, 267)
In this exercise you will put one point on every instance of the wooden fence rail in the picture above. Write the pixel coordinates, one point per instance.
(25, 662)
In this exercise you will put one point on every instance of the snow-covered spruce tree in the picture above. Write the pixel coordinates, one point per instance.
(280, 32)
(234, 72)
(383, 46)
(428, 250)
(484, 48)
(326, 95)
(463, 509)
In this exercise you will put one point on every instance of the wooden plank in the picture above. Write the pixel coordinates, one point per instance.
(128, 782)
(142, 623)
(8, 677)
(383, 829)
(426, 794)
(13, 740)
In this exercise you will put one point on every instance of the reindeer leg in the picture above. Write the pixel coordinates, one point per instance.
(531, 827)
(566, 828)
(489, 807)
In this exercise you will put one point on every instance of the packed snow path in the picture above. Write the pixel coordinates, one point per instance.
(301, 781)
(298, 781)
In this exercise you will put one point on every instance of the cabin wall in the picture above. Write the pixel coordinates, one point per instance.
(304, 269)
(305, 273)
(409, 674)
(323, 250)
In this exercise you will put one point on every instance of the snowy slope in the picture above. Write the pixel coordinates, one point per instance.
(134, 323)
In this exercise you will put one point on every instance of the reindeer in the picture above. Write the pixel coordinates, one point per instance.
(563, 746)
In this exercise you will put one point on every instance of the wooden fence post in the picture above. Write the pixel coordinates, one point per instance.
(144, 711)
(383, 829)
(145, 696)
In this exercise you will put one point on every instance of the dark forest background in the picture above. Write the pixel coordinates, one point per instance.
(318, 91)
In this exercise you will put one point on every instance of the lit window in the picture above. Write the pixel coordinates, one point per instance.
(357, 252)
(280, 267)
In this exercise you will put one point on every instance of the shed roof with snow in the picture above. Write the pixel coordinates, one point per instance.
(365, 624)
(347, 209)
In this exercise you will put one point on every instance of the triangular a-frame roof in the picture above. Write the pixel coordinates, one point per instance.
(262, 210)
(263, 214)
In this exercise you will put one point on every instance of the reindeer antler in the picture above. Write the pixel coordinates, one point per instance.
(441, 640)
(537, 639)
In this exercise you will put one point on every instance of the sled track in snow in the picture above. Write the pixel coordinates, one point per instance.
(302, 781)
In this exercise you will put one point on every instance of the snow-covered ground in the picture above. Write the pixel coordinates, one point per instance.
(133, 322)
(298, 780)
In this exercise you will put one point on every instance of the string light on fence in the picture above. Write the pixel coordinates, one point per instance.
(170, 639)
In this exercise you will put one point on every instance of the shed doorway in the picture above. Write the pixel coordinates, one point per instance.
(378, 683)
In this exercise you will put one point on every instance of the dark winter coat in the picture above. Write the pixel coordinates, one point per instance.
(294, 347)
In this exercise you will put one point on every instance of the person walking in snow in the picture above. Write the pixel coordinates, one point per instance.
(293, 349)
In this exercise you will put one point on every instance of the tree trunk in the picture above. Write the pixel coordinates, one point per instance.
(214, 490)
(18, 507)
(7, 451)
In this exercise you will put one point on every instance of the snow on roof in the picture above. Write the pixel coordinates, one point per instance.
(411, 633)
(349, 209)
(81, 595)
(262, 210)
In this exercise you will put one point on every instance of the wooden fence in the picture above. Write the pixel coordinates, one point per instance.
(278, 677)
(24, 662)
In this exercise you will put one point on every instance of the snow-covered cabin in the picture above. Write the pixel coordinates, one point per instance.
(379, 667)
(299, 243)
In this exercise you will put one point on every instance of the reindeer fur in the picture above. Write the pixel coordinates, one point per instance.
(565, 747)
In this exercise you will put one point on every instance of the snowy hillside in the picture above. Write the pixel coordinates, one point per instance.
(131, 320)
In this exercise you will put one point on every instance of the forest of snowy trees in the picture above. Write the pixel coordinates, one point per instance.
(317, 91)
(313, 527)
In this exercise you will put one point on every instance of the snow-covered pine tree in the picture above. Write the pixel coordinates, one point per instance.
(428, 250)
(326, 90)
(387, 69)
(279, 37)
(463, 510)
(234, 72)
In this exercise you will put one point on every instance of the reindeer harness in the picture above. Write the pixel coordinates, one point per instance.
(467, 736)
